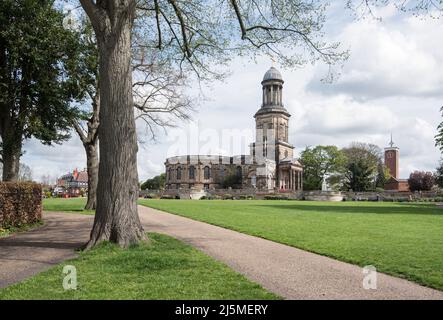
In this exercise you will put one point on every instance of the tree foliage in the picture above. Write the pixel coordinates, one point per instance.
(320, 162)
(231, 181)
(382, 175)
(438, 175)
(362, 166)
(421, 181)
(35, 85)
(156, 183)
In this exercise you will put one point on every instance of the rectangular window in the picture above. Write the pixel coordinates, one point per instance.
(206, 186)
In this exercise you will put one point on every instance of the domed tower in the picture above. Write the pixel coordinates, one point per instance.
(271, 120)
(271, 144)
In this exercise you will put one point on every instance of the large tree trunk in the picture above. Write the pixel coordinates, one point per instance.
(92, 166)
(116, 217)
(11, 150)
(11, 163)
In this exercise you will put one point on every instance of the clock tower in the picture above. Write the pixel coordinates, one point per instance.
(391, 159)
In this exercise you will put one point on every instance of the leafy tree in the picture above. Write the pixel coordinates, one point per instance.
(198, 36)
(439, 136)
(382, 175)
(358, 176)
(421, 181)
(35, 87)
(362, 164)
(320, 162)
(438, 175)
(156, 183)
(231, 181)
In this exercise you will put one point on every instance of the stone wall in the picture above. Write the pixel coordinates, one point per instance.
(305, 195)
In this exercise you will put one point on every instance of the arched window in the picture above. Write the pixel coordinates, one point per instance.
(191, 172)
(207, 172)
(179, 173)
(169, 174)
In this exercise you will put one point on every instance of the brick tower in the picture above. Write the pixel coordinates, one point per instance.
(391, 159)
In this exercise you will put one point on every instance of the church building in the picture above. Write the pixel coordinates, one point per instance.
(270, 166)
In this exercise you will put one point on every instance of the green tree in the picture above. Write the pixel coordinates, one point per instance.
(35, 88)
(382, 175)
(421, 181)
(156, 183)
(231, 181)
(438, 175)
(439, 136)
(361, 168)
(320, 162)
(358, 176)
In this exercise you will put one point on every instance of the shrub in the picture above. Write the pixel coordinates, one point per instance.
(246, 197)
(167, 196)
(227, 197)
(276, 197)
(20, 203)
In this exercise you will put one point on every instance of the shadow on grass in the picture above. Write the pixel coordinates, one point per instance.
(403, 208)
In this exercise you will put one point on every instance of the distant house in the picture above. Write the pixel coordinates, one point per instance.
(72, 184)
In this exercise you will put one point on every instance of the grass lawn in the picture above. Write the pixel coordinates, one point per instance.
(402, 239)
(76, 205)
(164, 268)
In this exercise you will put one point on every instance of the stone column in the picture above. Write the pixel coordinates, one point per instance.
(290, 179)
(298, 180)
(301, 180)
(272, 94)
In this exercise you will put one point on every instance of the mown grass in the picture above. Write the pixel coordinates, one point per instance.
(402, 239)
(76, 205)
(163, 268)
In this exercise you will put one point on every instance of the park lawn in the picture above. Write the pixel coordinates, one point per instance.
(401, 239)
(163, 268)
(76, 205)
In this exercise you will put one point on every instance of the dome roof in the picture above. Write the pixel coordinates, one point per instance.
(272, 74)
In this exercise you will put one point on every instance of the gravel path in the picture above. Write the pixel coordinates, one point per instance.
(287, 271)
(291, 273)
(25, 254)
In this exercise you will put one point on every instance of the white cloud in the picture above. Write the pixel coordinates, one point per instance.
(388, 59)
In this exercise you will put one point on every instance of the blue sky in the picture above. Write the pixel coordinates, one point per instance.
(392, 82)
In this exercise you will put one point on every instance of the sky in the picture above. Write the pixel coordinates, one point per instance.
(391, 83)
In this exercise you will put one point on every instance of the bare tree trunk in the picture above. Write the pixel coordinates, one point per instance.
(92, 167)
(116, 217)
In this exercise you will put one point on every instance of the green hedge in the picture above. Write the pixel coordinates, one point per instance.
(20, 204)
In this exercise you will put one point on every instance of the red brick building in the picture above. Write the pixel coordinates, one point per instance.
(392, 156)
